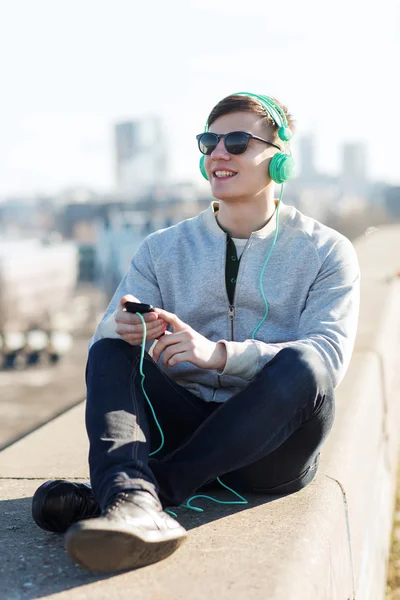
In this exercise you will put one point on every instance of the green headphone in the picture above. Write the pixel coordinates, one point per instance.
(281, 167)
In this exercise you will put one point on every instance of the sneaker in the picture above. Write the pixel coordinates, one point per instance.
(133, 531)
(58, 503)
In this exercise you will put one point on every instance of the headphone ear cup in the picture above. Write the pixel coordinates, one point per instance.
(281, 167)
(202, 168)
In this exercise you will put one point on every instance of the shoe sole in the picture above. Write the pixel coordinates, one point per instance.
(107, 551)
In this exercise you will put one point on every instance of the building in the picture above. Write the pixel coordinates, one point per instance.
(141, 157)
(392, 201)
(354, 168)
(307, 157)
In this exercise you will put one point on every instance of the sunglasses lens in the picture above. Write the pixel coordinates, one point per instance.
(236, 142)
(207, 143)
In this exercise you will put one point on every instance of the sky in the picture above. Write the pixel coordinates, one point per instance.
(70, 69)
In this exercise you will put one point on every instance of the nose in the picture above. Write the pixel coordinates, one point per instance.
(220, 151)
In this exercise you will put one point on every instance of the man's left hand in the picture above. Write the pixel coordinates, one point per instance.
(185, 344)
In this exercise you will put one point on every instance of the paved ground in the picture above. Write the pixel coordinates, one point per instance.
(33, 396)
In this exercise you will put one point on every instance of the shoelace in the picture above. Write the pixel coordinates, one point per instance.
(119, 499)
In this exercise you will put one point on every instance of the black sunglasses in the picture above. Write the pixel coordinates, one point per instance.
(235, 142)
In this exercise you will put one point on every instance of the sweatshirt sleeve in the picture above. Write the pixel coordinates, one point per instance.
(140, 281)
(328, 322)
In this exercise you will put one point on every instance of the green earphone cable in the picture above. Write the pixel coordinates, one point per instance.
(263, 269)
(144, 391)
(187, 505)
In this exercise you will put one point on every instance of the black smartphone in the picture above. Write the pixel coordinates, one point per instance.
(135, 307)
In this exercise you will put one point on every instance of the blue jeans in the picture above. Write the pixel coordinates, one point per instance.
(265, 439)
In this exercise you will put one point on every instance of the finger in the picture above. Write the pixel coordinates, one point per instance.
(128, 298)
(163, 333)
(170, 318)
(123, 316)
(128, 328)
(171, 351)
(150, 326)
(147, 316)
(178, 358)
(159, 324)
(136, 340)
(165, 341)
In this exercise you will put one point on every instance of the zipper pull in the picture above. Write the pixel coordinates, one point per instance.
(231, 312)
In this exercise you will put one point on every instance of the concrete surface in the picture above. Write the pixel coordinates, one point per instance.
(32, 396)
(329, 541)
(230, 552)
(36, 395)
(56, 450)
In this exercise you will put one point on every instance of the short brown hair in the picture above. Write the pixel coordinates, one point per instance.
(236, 103)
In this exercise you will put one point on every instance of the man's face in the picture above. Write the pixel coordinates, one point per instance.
(250, 169)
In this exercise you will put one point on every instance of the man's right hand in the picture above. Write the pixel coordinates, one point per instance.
(129, 325)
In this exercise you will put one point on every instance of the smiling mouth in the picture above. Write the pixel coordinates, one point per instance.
(220, 174)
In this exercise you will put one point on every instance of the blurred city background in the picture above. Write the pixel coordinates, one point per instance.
(100, 106)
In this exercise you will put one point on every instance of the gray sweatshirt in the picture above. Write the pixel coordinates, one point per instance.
(311, 283)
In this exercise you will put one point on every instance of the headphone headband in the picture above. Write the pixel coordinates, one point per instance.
(273, 109)
(275, 112)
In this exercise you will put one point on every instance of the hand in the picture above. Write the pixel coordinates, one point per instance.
(186, 344)
(130, 327)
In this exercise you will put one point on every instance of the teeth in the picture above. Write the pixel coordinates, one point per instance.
(224, 174)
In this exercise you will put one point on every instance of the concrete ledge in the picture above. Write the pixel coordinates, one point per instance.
(231, 552)
(329, 541)
(356, 456)
(58, 450)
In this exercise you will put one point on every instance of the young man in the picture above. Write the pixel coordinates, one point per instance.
(254, 326)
